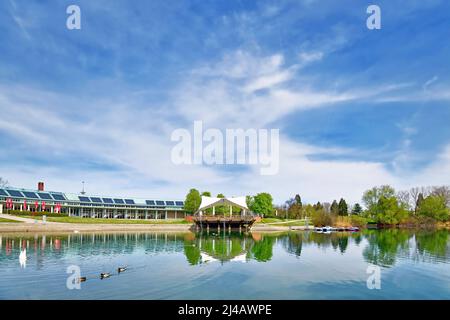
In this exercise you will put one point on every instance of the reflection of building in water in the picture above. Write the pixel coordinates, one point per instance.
(381, 247)
(92, 244)
(23, 258)
(232, 247)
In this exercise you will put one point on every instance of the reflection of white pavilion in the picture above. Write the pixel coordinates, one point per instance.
(208, 258)
(212, 255)
(240, 258)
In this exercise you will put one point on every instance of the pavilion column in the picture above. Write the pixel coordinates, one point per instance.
(214, 210)
(231, 210)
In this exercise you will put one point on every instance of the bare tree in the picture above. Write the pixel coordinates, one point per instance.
(414, 195)
(3, 183)
(405, 199)
(442, 191)
(326, 207)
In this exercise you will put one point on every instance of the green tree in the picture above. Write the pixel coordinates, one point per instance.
(262, 204)
(334, 209)
(298, 200)
(248, 200)
(342, 207)
(308, 211)
(389, 211)
(434, 207)
(444, 192)
(320, 218)
(193, 201)
(357, 209)
(318, 206)
(220, 209)
(371, 198)
(294, 207)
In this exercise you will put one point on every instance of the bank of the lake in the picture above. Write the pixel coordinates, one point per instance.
(9, 223)
(21, 224)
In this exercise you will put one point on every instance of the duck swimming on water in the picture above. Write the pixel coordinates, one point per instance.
(82, 279)
(104, 275)
(121, 269)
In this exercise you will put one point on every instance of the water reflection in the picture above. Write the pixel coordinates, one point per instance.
(23, 258)
(434, 245)
(202, 248)
(385, 245)
(380, 247)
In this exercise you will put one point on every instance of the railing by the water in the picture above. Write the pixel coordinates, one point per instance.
(224, 221)
(223, 218)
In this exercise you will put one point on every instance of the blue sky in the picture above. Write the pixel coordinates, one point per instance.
(355, 107)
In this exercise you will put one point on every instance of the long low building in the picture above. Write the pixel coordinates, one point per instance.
(88, 206)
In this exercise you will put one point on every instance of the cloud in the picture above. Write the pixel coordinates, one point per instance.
(308, 57)
(134, 138)
(429, 82)
(436, 173)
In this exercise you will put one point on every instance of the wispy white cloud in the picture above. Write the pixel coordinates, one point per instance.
(136, 139)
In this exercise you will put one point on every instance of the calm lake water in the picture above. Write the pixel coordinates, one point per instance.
(308, 265)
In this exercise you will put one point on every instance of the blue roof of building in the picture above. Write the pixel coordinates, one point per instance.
(34, 195)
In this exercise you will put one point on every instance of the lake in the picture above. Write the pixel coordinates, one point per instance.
(295, 265)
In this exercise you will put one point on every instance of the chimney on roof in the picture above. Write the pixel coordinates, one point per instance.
(40, 186)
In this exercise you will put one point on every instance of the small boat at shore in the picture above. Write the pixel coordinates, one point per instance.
(329, 229)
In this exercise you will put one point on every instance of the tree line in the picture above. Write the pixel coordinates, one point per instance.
(382, 204)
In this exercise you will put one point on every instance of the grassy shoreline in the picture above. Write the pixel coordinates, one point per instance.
(3, 220)
(108, 221)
